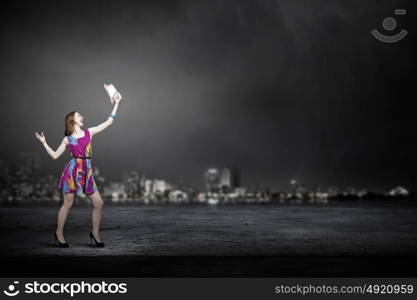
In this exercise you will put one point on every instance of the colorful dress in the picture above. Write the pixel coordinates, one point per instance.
(77, 176)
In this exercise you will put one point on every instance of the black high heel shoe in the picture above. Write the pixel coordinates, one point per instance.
(98, 244)
(62, 245)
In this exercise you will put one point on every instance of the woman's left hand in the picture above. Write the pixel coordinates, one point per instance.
(40, 137)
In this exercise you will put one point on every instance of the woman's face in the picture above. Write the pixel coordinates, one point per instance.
(78, 119)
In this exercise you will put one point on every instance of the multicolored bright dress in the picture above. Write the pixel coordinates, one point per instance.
(77, 176)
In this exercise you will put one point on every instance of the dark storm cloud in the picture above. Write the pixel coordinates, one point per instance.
(281, 88)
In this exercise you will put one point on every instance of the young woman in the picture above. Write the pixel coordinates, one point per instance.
(77, 176)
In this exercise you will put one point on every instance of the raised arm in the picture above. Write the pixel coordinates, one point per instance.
(52, 153)
(110, 119)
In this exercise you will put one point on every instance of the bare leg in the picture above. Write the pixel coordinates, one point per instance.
(62, 215)
(97, 203)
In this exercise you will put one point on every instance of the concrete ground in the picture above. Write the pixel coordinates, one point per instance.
(270, 240)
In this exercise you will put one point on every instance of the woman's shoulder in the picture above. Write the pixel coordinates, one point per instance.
(88, 131)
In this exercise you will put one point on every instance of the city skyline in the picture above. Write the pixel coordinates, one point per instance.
(227, 179)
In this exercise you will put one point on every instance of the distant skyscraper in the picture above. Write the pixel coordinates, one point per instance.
(229, 179)
(29, 166)
(148, 186)
(29, 162)
(4, 176)
(293, 183)
(131, 181)
(160, 186)
(212, 180)
(226, 177)
(225, 180)
(235, 177)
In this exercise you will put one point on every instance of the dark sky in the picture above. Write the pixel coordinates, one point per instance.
(282, 89)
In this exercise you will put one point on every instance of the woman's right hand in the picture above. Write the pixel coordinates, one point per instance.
(40, 137)
(117, 97)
